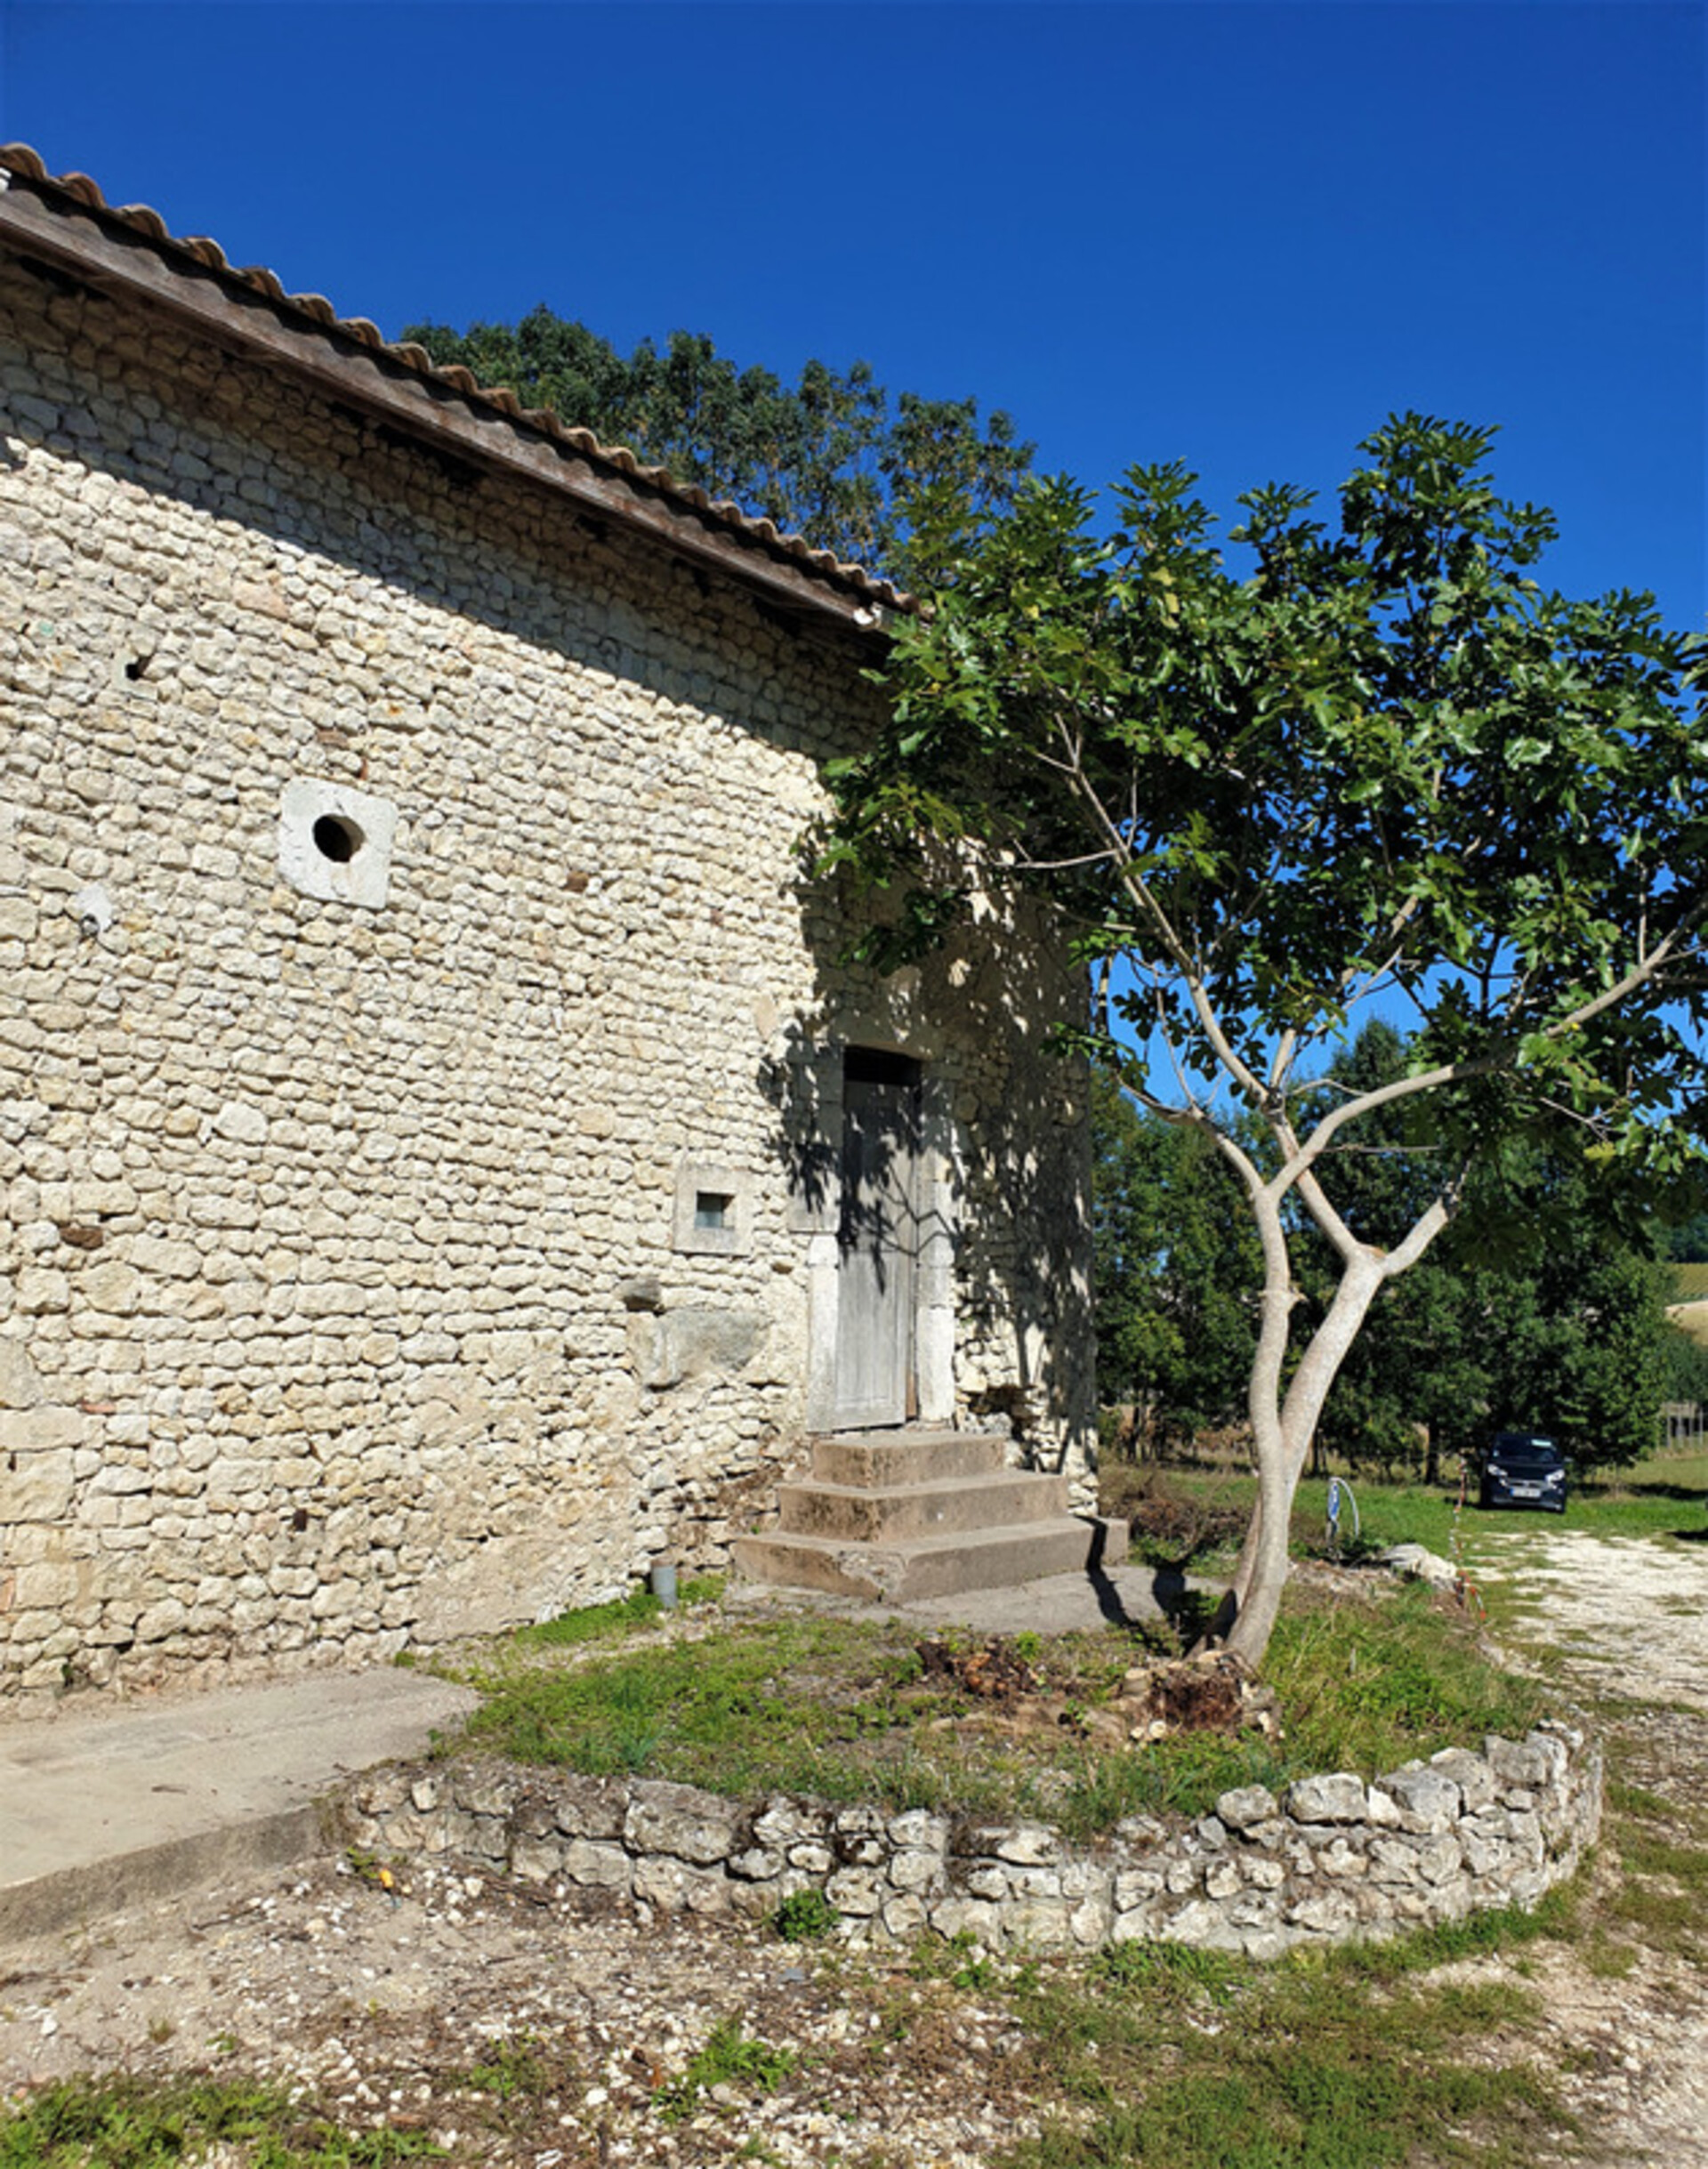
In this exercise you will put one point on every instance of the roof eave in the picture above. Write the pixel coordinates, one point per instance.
(106, 251)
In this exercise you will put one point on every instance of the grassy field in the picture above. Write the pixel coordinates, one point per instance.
(1691, 1314)
(1665, 1496)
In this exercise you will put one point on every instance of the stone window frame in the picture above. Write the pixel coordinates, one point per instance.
(697, 1179)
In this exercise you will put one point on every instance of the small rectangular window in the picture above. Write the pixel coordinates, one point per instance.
(712, 1216)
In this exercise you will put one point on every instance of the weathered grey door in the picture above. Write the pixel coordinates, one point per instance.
(878, 1241)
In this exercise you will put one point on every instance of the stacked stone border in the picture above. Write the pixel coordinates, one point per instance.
(1332, 1859)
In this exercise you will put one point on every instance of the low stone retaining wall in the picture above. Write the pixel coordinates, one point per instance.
(1331, 1859)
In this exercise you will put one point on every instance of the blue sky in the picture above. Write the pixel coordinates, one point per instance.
(1233, 231)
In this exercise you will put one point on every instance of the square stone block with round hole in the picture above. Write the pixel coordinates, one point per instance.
(334, 842)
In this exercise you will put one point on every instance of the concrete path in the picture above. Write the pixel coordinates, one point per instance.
(110, 1807)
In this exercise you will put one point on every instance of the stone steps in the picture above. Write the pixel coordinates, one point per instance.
(885, 1457)
(884, 1513)
(897, 1517)
(917, 1568)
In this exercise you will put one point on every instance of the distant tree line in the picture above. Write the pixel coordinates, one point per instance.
(831, 457)
(1546, 1312)
(1687, 1243)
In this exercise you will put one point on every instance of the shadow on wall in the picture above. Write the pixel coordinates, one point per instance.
(447, 524)
(982, 1015)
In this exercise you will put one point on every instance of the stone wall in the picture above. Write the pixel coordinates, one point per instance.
(1333, 1859)
(345, 1296)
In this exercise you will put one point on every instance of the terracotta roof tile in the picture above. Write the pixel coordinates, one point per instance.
(140, 219)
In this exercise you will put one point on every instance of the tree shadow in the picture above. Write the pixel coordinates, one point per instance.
(1005, 1211)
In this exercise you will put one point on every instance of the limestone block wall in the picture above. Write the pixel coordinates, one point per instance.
(402, 911)
(1331, 1860)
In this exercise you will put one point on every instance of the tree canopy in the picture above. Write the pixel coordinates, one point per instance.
(1687, 1243)
(1376, 757)
(1540, 1308)
(1537, 1310)
(831, 457)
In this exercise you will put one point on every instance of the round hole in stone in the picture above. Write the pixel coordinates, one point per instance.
(337, 838)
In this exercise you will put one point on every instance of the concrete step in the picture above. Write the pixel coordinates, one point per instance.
(914, 1569)
(884, 1458)
(128, 1803)
(991, 1499)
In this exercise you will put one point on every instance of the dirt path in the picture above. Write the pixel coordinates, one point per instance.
(1627, 1620)
(1629, 1615)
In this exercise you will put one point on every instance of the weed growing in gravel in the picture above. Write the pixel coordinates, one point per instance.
(730, 2058)
(510, 2069)
(804, 1916)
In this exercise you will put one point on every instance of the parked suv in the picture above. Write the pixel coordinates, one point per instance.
(1519, 1468)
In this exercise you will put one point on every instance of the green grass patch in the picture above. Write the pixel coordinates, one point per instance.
(844, 1710)
(1607, 1958)
(129, 2123)
(1624, 1798)
(510, 2070)
(616, 1620)
(804, 1916)
(1367, 1686)
(1341, 2061)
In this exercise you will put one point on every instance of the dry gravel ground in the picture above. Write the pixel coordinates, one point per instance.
(1627, 1620)
(425, 2004)
(418, 2005)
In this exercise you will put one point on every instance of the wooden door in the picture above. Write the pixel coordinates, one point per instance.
(878, 1241)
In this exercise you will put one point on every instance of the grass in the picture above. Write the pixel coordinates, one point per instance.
(126, 2123)
(619, 1618)
(1661, 1904)
(1366, 1686)
(845, 1710)
(1302, 2066)
(1664, 1496)
(1159, 2054)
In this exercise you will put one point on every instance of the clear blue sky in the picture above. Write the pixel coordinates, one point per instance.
(1238, 234)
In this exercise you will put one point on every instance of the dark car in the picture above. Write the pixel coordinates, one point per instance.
(1520, 1468)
